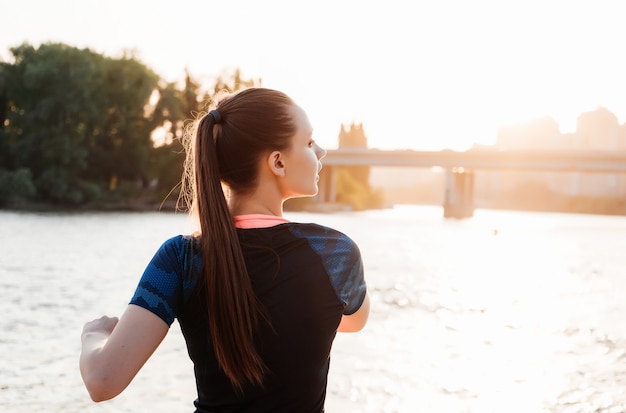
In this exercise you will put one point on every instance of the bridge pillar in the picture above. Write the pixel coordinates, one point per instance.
(327, 188)
(459, 197)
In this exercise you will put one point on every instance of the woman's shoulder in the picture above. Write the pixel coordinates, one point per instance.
(314, 229)
(322, 235)
(175, 241)
(177, 246)
(180, 240)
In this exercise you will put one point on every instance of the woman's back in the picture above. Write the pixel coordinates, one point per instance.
(298, 272)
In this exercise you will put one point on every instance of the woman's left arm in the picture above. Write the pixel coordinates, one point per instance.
(114, 351)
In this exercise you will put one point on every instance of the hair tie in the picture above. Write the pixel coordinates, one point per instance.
(216, 115)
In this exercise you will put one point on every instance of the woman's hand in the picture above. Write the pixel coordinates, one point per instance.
(104, 325)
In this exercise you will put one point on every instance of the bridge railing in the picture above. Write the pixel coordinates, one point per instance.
(536, 160)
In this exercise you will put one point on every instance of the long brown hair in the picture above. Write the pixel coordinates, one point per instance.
(227, 150)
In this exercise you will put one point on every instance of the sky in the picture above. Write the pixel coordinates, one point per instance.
(424, 75)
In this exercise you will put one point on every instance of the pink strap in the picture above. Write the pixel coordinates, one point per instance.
(258, 221)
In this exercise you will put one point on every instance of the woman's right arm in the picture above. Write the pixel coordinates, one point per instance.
(114, 351)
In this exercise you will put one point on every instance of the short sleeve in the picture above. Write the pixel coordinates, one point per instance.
(345, 268)
(160, 286)
(341, 258)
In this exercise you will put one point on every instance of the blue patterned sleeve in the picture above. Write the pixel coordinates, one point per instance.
(159, 289)
(345, 267)
(341, 258)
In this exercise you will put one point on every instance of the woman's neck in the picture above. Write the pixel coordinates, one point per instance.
(240, 205)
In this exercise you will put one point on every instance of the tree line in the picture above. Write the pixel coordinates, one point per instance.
(77, 128)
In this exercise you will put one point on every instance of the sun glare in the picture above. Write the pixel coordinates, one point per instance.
(429, 79)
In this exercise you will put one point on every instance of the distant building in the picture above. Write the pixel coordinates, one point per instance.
(542, 133)
(353, 137)
(595, 130)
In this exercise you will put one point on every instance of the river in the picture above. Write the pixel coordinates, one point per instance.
(517, 312)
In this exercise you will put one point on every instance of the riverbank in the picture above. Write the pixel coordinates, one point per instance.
(592, 206)
(125, 206)
(151, 206)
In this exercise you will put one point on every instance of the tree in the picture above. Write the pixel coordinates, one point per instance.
(176, 109)
(120, 144)
(46, 111)
(353, 187)
(230, 83)
(75, 119)
(77, 126)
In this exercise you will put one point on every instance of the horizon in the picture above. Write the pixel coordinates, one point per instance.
(425, 77)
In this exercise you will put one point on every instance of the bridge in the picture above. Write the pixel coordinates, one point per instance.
(460, 167)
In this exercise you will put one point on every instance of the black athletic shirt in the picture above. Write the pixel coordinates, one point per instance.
(306, 275)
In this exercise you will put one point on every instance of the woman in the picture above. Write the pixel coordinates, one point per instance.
(259, 299)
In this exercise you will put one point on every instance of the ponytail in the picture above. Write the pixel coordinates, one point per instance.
(226, 146)
(233, 309)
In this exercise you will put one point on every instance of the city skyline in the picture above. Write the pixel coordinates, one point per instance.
(434, 75)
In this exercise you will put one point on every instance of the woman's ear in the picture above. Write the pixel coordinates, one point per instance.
(275, 163)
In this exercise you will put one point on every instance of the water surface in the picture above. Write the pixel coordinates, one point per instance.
(505, 312)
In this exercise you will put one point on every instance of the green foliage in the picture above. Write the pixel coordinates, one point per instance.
(76, 127)
(166, 169)
(75, 119)
(176, 109)
(360, 173)
(297, 204)
(352, 191)
(353, 187)
(120, 140)
(230, 83)
(16, 186)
